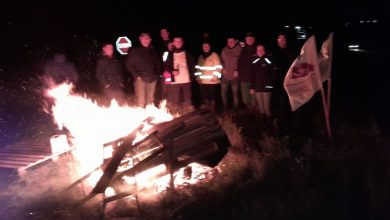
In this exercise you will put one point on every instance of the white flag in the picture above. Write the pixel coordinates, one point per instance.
(325, 58)
(303, 78)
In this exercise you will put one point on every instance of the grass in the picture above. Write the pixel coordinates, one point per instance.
(264, 176)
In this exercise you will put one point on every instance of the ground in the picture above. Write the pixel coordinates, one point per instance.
(265, 175)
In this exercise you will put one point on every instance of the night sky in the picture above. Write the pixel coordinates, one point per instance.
(32, 30)
(44, 22)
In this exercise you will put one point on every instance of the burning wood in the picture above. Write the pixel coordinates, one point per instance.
(149, 143)
(195, 137)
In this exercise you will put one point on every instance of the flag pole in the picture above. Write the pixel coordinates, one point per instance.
(329, 90)
(328, 96)
(326, 113)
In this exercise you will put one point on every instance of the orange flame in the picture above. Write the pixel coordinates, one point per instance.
(91, 125)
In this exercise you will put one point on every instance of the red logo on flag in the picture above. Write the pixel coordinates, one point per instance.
(301, 70)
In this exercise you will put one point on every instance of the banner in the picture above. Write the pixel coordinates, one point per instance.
(303, 78)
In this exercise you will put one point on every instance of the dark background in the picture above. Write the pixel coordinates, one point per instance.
(32, 30)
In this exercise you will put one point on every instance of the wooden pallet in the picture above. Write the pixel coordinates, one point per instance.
(24, 155)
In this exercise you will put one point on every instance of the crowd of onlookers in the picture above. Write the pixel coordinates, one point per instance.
(243, 75)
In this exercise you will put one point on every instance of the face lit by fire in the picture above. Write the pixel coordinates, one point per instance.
(178, 42)
(249, 40)
(206, 47)
(145, 40)
(108, 50)
(260, 50)
(282, 42)
(164, 34)
(231, 42)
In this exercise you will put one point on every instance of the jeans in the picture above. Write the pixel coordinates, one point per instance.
(179, 97)
(247, 98)
(144, 92)
(224, 91)
(208, 92)
(264, 102)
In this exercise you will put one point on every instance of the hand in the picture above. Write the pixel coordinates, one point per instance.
(175, 72)
(235, 74)
(252, 91)
(166, 74)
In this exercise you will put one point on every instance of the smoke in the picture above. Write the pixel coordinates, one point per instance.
(38, 194)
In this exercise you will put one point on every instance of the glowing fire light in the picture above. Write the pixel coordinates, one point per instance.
(59, 144)
(91, 126)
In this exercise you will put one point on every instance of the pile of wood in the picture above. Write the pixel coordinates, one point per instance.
(194, 137)
(25, 155)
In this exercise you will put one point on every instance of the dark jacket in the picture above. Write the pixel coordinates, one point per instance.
(263, 74)
(168, 64)
(244, 63)
(283, 59)
(162, 46)
(145, 63)
(60, 69)
(109, 73)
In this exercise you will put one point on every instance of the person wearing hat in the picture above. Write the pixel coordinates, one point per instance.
(244, 69)
(145, 66)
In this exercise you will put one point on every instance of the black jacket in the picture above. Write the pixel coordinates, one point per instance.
(145, 63)
(244, 63)
(161, 46)
(109, 73)
(263, 74)
(283, 59)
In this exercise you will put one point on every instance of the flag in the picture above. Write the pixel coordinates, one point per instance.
(325, 58)
(303, 78)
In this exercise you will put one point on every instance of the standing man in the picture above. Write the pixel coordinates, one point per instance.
(284, 57)
(60, 69)
(163, 47)
(244, 69)
(181, 64)
(145, 66)
(164, 41)
(109, 73)
(229, 58)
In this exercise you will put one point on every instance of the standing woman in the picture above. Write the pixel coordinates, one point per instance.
(208, 74)
(262, 83)
(109, 74)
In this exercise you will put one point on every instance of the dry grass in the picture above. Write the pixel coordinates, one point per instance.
(288, 177)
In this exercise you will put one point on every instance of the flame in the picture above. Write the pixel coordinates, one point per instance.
(91, 126)
(59, 144)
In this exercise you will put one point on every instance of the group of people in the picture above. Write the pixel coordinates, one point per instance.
(252, 73)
